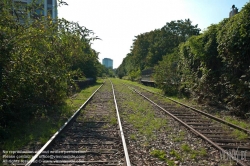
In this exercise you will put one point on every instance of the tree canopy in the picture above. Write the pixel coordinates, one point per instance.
(39, 60)
(149, 48)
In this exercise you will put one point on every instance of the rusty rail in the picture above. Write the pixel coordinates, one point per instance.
(206, 114)
(121, 130)
(190, 128)
(48, 143)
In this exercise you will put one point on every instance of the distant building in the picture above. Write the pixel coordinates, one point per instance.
(107, 63)
(233, 11)
(40, 8)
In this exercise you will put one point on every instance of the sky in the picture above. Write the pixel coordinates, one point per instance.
(117, 22)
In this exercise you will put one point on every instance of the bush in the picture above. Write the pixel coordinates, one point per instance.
(37, 63)
(234, 48)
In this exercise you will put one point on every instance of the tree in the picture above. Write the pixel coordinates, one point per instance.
(149, 48)
(38, 63)
(234, 48)
(166, 73)
(200, 65)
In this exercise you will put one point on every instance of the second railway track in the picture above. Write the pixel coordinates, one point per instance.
(214, 130)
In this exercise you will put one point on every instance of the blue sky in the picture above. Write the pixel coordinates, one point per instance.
(116, 22)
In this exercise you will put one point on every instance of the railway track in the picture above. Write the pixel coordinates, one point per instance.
(92, 136)
(215, 131)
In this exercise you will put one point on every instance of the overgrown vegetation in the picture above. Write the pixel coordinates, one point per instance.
(39, 60)
(185, 152)
(139, 114)
(150, 47)
(149, 127)
(43, 127)
(212, 67)
(143, 119)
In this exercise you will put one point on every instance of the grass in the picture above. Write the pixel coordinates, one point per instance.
(39, 129)
(105, 126)
(240, 135)
(236, 122)
(132, 137)
(43, 127)
(141, 117)
(202, 152)
(175, 154)
(185, 148)
(113, 121)
(185, 151)
(178, 137)
(140, 114)
(81, 97)
(161, 155)
(236, 133)
(152, 89)
(145, 121)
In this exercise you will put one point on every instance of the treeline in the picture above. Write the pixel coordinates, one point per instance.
(39, 59)
(150, 47)
(213, 66)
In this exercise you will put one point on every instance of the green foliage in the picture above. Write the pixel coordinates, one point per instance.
(185, 148)
(175, 154)
(134, 75)
(240, 135)
(200, 65)
(233, 48)
(159, 154)
(43, 127)
(166, 74)
(150, 47)
(39, 59)
(132, 136)
(212, 66)
(142, 118)
(215, 64)
(181, 30)
(125, 67)
(105, 72)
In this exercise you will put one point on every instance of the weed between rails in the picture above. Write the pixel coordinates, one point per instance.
(237, 133)
(186, 152)
(132, 137)
(142, 116)
(178, 137)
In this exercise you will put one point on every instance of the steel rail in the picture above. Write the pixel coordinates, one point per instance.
(206, 114)
(193, 130)
(213, 117)
(32, 160)
(121, 130)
